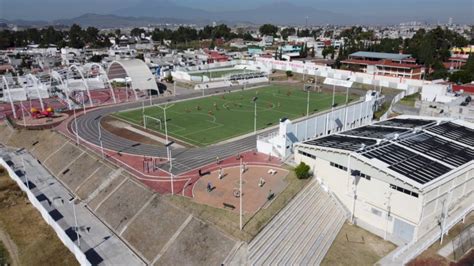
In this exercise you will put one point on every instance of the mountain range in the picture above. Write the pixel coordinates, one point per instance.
(146, 12)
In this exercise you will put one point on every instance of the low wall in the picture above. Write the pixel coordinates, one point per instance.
(80, 256)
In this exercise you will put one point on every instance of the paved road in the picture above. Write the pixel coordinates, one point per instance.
(184, 159)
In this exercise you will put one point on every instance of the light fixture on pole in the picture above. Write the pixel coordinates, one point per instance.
(307, 89)
(71, 201)
(240, 195)
(75, 124)
(24, 172)
(170, 160)
(254, 100)
(100, 135)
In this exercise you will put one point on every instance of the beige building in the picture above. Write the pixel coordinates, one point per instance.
(400, 178)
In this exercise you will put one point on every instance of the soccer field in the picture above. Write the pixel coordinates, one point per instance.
(216, 118)
(220, 73)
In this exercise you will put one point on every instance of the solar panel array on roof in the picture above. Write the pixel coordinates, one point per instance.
(455, 132)
(407, 163)
(440, 149)
(341, 142)
(375, 132)
(406, 123)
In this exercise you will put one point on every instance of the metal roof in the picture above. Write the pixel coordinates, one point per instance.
(376, 55)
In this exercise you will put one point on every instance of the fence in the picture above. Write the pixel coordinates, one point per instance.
(397, 98)
(80, 256)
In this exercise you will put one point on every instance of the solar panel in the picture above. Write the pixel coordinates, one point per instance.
(410, 164)
(375, 132)
(406, 123)
(440, 149)
(341, 142)
(455, 132)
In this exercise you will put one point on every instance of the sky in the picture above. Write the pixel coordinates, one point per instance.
(460, 10)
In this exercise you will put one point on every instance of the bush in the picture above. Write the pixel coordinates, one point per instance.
(302, 171)
(289, 73)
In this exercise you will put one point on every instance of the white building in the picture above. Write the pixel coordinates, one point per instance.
(401, 179)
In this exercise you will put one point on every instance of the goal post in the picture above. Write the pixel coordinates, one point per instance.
(147, 123)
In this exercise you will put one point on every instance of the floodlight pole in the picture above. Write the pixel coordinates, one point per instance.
(23, 113)
(100, 139)
(9, 96)
(240, 194)
(307, 103)
(75, 221)
(75, 124)
(255, 118)
(174, 88)
(24, 170)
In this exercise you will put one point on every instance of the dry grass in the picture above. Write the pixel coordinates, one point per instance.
(228, 221)
(4, 256)
(356, 246)
(36, 241)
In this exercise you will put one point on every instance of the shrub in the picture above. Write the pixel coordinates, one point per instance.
(289, 73)
(302, 171)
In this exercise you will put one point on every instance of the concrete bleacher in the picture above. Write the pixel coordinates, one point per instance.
(61, 159)
(47, 143)
(150, 237)
(122, 205)
(5, 133)
(197, 244)
(159, 232)
(301, 233)
(84, 166)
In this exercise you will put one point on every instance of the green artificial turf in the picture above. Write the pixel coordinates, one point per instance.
(217, 118)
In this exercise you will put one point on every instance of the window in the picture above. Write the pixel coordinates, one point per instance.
(338, 166)
(307, 154)
(403, 190)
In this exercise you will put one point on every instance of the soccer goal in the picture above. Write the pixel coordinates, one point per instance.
(151, 121)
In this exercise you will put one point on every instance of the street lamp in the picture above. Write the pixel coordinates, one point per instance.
(240, 195)
(307, 89)
(255, 115)
(75, 124)
(170, 160)
(71, 201)
(100, 135)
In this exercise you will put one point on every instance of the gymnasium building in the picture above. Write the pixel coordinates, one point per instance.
(400, 178)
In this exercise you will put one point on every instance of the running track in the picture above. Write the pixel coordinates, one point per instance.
(184, 159)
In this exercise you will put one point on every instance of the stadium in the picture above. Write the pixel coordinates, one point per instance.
(210, 162)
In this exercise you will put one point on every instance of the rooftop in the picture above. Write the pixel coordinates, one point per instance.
(377, 55)
(418, 149)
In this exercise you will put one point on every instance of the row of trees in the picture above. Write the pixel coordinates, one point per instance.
(430, 48)
(187, 34)
(74, 37)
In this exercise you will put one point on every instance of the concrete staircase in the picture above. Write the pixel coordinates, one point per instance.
(301, 233)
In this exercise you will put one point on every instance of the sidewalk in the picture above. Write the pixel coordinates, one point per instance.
(99, 244)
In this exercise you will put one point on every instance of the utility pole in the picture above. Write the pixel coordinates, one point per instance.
(240, 195)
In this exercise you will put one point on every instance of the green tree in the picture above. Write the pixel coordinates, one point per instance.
(302, 171)
(268, 30)
(75, 37)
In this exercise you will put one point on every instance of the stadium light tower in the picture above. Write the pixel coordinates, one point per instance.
(307, 89)
(255, 115)
(71, 201)
(168, 152)
(100, 135)
(240, 194)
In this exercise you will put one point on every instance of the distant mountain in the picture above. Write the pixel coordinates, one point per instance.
(278, 13)
(114, 21)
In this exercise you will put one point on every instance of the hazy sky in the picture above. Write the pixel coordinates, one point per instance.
(460, 10)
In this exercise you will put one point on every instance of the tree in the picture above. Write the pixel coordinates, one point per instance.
(137, 32)
(287, 32)
(302, 171)
(75, 34)
(268, 30)
(328, 50)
